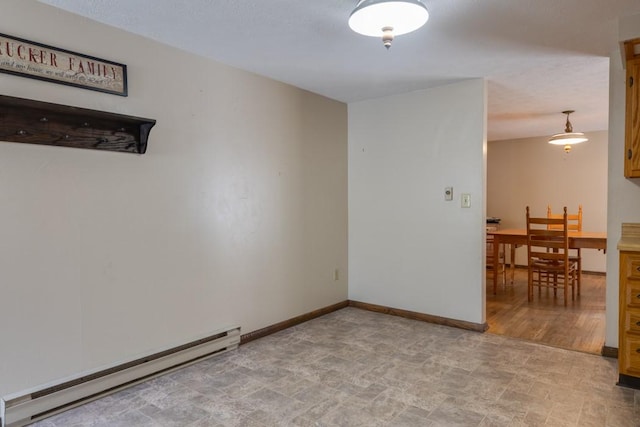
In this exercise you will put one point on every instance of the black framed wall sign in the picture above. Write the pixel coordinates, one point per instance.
(43, 62)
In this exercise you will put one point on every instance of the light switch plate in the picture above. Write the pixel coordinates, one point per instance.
(466, 200)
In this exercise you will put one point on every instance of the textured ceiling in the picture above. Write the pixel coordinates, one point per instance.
(540, 57)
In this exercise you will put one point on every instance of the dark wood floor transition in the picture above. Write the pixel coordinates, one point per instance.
(579, 326)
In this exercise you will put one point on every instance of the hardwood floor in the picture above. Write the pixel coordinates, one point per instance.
(579, 326)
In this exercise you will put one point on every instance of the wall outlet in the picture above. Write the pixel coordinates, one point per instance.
(448, 193)
(336, 275)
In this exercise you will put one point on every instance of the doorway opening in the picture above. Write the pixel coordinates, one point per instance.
(531, 172)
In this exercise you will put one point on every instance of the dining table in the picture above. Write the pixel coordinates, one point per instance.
(518, 237)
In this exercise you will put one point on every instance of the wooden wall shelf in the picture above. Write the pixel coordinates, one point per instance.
(36, 122)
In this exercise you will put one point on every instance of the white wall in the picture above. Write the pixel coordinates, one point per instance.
(531, 172)
(408, 247)
(237, 213)
(624, 194)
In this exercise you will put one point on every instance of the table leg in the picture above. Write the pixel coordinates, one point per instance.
(512, 262)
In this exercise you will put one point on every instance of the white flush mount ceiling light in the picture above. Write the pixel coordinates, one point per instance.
(568, 137)
(388, 18)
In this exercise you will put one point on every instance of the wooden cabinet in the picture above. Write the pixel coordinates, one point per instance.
(629, 350)
(629, 315)
(632, 112)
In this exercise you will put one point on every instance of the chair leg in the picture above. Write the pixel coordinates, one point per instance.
(579, 271)
(542, 278)
(530, 285)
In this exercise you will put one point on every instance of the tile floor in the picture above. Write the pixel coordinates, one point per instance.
(358, 368)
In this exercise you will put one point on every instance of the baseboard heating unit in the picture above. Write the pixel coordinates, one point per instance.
(27, 407)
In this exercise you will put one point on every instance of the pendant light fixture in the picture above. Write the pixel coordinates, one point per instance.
(568, 137)
(388, 18)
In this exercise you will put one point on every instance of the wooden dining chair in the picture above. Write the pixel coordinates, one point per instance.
(574, 223)
(549, 263)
